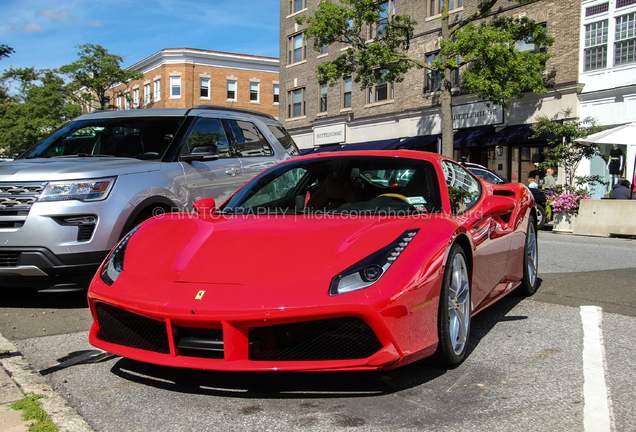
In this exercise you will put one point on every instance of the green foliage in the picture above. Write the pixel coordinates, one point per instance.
(565, 150)
(98, 70)
(486, 54)
(41, 104)
(5, 51)
(31, 410)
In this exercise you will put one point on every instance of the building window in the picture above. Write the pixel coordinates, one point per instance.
(231, 90)
(136, 98)
(349, 28)
(324, 49)
(147, 94)
(597, 9)
(157, 90)
(254, 96)
(623, 3)
(296, 103)
(596, 45)
(297, 49)
(276, 94)
(118, 102)
(381, 90)
(438, 5)
(127, 100)
(323, 97)
(433, 81)
(175, 87)
(387, 14)
(204, 88)
(535, 48)
(346, 93)
(297, 5)
(625, 45)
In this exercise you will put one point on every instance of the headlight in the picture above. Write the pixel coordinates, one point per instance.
(368, 271)
(81, 190)
(114, 264)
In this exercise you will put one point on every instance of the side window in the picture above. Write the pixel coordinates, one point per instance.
(463, 190)
(248, 139)
(208, 136)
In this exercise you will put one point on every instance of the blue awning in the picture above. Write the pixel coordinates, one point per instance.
(371, 145)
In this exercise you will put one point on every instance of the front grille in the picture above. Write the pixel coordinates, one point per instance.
(128, 329)
(9, 259)
(16, 200)
(330, 339)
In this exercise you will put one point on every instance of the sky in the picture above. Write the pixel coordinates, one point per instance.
(45, 33)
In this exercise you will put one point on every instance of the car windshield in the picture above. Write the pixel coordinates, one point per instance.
(140, 138)
(368, 185)
(487, 175)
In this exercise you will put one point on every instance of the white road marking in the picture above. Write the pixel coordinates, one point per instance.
(596, 413)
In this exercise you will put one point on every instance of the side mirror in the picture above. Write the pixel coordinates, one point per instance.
(498, 205)
(205, 207)
(202, 156)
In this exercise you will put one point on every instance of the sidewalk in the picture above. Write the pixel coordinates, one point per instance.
(17, 378)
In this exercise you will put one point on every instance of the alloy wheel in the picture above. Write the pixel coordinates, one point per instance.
(458, 304)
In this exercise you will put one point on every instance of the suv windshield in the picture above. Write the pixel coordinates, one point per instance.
(140, 138)
(341, 185)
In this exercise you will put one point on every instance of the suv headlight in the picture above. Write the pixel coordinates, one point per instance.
(365, 273)
(114, 263)
(81, 190)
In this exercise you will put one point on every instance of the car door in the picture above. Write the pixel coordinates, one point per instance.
(489, 234)
(251, 146)
(214, 177)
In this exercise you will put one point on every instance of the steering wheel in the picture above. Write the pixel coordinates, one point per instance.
(397, 196)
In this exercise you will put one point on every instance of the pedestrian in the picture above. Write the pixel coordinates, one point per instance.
(548, 181)
(532, 183)
(622, 191)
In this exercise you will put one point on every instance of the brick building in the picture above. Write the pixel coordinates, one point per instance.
(186, 77)
(407, 114)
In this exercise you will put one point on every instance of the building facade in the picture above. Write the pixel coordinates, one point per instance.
(408, 114)
(608, 75)
(185, 77)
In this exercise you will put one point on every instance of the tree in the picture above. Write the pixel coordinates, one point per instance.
(565, 149)
(97, 70)
(41, 104)
(486, 54)
(5, 51)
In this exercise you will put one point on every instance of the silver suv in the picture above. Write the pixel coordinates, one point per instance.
(66, 201)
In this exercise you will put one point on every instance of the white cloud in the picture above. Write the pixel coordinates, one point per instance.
(63, 15)
(31, 27)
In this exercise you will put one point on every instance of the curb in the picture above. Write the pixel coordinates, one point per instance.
(27, 380)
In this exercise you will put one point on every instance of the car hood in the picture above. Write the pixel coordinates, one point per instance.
(51, 169)
(256, 250)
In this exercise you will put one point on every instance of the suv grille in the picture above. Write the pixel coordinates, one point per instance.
(16, 200)
(9, 259)
(330, 339)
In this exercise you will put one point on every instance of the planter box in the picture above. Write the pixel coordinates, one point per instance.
(564, 222)
(606, 217)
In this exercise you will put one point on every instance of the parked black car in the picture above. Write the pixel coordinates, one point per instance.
(491, 176)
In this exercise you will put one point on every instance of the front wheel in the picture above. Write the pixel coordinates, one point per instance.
(542, 216)
(530, 281)
(453, 321)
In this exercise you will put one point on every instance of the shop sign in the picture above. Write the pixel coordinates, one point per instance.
(329, 135)
(477, 114)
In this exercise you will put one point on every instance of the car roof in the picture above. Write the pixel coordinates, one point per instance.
(172, 112)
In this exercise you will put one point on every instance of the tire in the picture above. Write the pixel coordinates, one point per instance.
(453, 318)
(530, 281)
(542, 216)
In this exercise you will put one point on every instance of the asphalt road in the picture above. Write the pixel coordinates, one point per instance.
(525, 369)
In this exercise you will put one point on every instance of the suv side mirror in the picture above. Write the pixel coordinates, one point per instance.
(202, 153)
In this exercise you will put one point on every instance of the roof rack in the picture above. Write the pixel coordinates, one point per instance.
(239, 110)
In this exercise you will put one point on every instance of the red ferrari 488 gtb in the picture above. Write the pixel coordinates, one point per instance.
(334, 261)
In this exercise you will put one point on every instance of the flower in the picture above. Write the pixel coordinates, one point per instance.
(566, 201)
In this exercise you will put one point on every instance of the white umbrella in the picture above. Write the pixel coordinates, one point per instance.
(625, 134)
